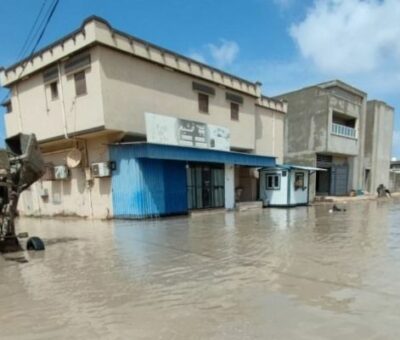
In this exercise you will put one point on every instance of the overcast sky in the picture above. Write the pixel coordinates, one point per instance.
(285, 44)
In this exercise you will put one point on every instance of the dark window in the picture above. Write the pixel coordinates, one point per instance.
(8, 106)
(203, 88)
(299, 181)
(80, 83)
(77, 62)
(273, 182)
(50, 74)
(54, 90)
(270, 183)
(203, 103)
(342, 119)
(234, 111)
(234, 98)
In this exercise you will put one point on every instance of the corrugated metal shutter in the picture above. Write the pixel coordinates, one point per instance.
(143, 188)
(324, 161)
(340, 175)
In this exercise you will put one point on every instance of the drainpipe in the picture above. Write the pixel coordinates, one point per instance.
(273, 134)
(62, 103)
(19, 108)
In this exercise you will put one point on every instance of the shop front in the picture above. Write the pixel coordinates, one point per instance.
(205, 186)
(154, 180)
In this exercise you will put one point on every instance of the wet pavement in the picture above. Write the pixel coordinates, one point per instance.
(273, 274)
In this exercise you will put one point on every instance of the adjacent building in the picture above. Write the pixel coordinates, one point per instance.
(130, 129)
(378, 144)
(332, 126)
(394, 175)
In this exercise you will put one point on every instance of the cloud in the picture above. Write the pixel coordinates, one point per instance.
(351, 36)
(277, 77)
(222, 54)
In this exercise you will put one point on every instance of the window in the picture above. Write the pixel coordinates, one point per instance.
(80, 83)
(234, 111)
(203, 103)
(77, 62)
(54, 90)
(8, 106)
(273, 182)
(299, 181)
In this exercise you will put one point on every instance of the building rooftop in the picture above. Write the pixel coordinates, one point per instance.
(326, 85)
(97, 31)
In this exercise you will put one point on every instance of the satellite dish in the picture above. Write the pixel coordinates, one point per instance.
(74, 158)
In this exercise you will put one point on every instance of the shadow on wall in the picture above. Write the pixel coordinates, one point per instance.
(56, 192)
(80, 179)
(66, 187)
(105, 185)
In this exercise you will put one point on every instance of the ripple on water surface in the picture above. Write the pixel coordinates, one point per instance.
(285, 273)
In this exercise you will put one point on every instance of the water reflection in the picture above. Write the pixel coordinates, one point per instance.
(283, 273)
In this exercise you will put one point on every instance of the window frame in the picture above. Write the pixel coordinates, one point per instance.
(204, 96)
(54, 95)
(296, 186)
(85, 92)
(274, 177)
(234, 104)
(8, 106)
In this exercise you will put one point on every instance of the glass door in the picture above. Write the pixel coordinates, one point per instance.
(205, 186)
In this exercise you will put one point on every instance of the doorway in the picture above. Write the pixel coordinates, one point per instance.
(323, 182)
(206, 186)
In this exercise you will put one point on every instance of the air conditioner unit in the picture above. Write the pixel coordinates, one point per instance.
(61, 172)
(102, 169)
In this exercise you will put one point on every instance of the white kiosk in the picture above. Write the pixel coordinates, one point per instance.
(286, 185)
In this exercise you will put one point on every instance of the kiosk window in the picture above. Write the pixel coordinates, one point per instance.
(299, 181)
(273, 182)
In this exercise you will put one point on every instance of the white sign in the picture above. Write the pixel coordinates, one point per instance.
(175, 131)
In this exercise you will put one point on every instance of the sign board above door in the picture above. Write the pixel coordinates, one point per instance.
(162, 129)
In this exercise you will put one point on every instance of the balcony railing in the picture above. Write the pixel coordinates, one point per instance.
(342, 130)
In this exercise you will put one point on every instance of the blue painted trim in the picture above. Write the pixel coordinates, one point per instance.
(171, 152)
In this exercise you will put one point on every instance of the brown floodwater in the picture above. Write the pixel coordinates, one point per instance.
(300, 273)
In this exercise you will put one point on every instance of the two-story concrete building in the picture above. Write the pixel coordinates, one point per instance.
(378, 144)
(130, 129)
(332, 126)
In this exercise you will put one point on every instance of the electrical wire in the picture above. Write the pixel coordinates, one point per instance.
(29, 37)
(46, 22)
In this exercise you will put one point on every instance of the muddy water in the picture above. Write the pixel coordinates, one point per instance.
(276, 274)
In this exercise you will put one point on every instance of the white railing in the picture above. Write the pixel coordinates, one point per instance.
(342, 130)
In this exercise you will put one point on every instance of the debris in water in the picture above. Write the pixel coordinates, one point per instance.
(20, 259)
(336, 208)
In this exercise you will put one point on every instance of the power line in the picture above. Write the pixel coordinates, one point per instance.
(53, 9)
(29, 36)
(45, 21)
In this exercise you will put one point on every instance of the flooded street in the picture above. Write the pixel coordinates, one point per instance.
(273, 274)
